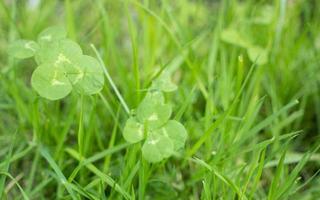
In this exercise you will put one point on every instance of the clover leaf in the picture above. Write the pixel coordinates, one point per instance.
(23, 49)
(233, 37)
(51, 34)
(163, 136)
(258, 55)
(58, 52)
(157, 147)
(176, 132)
(89, 77)
(133, 131)
(164, 83)
(51, 82)
(153, 110)
(62, 65)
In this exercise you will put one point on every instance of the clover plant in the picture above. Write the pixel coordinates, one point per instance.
(151, 123)
(62, 66)
(249, 34)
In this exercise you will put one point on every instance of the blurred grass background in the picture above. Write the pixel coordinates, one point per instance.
(253, 129)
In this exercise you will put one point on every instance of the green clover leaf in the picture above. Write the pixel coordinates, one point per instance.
(84, 72)
(176, 132)
(153, 110)
(157, 147)
(58, 52)
(62, 65)
(163, 136)
(51, 34)
(51, 82)
(233, 37)
(89, 77)
(23, 49)
(164, 83)
(258, 55)
(133, 131)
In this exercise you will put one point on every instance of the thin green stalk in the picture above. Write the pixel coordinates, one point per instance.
(114, 87)
(80, 129)
(135, 54)
(24, 195)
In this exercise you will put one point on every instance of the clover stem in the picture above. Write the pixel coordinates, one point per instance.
(114, 87)
(80, 129)
(144, 174)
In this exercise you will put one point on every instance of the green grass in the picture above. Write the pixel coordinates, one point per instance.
(253, 128)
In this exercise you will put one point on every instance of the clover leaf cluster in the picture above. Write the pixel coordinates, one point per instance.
(151, 122)
(62, 66)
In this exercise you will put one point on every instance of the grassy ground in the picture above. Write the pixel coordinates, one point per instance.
(253, 129)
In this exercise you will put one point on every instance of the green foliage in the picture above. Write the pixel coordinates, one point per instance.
(157, 147)
(51, 34)
(263, 15)
(133, 131)
(163, 136)
(247, 137)
(153, 111)
(239, 33)
(233, 37)
(164, 83)
(256, 54)
(62, 65)
(176, 132)
(50, 82)
(23, 49)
